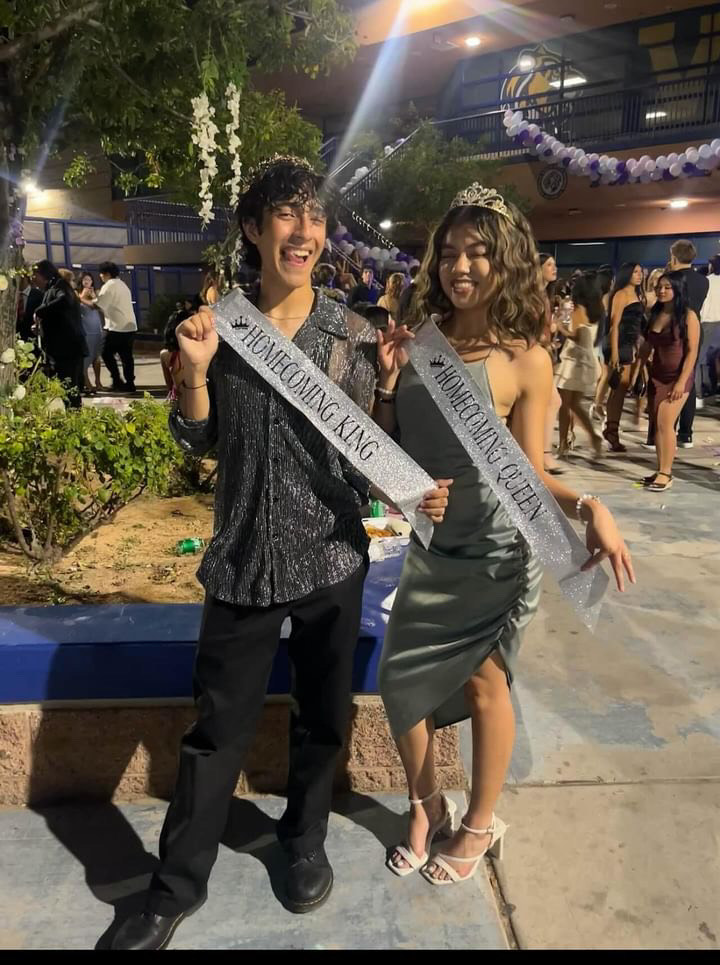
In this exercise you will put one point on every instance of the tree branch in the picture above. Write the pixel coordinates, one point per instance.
(15, 49)
(146, 94)
(14, 518)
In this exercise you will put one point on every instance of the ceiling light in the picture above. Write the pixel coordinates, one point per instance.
(386, 225)
(526, 62)
(678, 203)
(472, 41)
(29, 186)
(586, 244)
(610, 6)
(651, 115)
(567, 18)
(572, 81)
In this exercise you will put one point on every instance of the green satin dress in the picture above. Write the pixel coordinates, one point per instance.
(471, 593)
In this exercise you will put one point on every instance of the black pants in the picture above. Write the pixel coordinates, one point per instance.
(235, 655)
(120, 343)
(70, 371)
(687, 417)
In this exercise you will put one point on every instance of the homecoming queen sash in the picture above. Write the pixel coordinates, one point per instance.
(507, 470)
(301, 383)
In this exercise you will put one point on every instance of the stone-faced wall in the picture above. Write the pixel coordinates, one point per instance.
(101, 751)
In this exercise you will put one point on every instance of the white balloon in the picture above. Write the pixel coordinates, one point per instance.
(533, 129)
(517, 117)
(717, 151)
(394, 252)
(656, 175)
(523, 126)
(645, 177)
(513, 130)
(676, 169)
(612, 164)
(705, 151)
(672, 158)
(388, 149)
(682, 159)
(715, 143)
(649, 165)
(692, 155)
(713, 161)
(583, 163)
(661, 162)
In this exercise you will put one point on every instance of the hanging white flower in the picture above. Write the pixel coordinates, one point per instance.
(19, 392)
(232, 95)
(8, 356)
(204, 132)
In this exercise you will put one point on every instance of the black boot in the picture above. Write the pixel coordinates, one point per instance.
(309, 881)
(146, 931)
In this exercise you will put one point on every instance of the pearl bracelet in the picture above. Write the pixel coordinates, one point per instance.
(586, 497)
(385, 394)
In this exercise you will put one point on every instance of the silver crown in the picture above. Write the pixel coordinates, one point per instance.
(479, 197)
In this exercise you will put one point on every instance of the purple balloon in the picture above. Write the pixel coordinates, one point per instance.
(547, 153)
(667, 176)
(621, 168)
(539, 138)
(688, 168)
(566, 161)
(403, 257)
(623, 179)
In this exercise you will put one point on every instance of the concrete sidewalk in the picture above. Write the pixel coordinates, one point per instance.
(614, 790)
(69, 874)
(613, 794)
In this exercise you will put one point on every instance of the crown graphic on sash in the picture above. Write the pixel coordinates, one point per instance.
(437, 361)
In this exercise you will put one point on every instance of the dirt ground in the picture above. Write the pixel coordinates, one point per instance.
(128, 560)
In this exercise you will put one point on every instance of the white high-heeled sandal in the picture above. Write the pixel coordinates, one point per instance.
(496, 831)
(412, 860)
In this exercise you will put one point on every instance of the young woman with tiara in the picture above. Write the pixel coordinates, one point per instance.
(461, 606)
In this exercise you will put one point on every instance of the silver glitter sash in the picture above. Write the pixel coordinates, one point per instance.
(507, 470)
(350, 430)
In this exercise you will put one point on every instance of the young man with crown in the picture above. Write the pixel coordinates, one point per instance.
(461, 606)
(288, 543)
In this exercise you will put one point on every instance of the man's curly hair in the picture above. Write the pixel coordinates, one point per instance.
(279, 180)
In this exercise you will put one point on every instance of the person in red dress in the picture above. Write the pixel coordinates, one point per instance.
(673, 337)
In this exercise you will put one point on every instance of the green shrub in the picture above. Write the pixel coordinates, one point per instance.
(63, 470)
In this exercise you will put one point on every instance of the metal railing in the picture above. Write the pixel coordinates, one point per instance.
(153, 222)
(623, 118)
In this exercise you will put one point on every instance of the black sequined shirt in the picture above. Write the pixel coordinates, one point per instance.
(287, 518)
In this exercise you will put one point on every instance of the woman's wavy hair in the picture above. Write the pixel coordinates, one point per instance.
(395, 284)
(679, 306)
(516, 305)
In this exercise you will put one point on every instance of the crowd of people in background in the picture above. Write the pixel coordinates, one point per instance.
(74, 324)
(632, 332)
(611, 334)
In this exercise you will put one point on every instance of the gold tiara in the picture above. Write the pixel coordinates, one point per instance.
(479, 197)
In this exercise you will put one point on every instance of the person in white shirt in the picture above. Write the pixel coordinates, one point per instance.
(115, 300)
(710, 318)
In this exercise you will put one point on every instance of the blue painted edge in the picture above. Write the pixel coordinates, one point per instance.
(145, 650)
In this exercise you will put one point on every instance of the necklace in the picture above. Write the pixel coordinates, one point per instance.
(286, 318)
